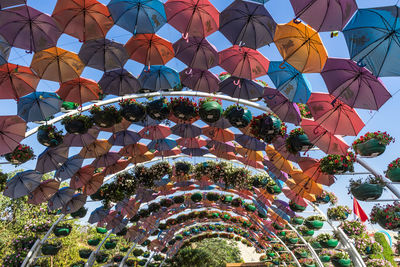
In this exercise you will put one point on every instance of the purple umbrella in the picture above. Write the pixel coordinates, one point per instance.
(81, 140)
(247, 24)
(199, 80)
(222, 147)
(244, 89)
(281, 106)
(22, 184)
(12, 131)
(280, 175)
(196, 52)
(354, 85)
(221, 123)
(8, 3)
(325, 15)
(52, 158)
(195, 152)
(250, 142)
(283, 206)
(76, 202)
(124, 138)
(119, 82)
(186, 130)
(27, 28)
(280, 146)
(106, 160)
(98, 214)
(61, 198)
(69, 168)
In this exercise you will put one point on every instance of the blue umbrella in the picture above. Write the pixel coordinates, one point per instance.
(124, 138)
(280, 213)
(186, 130)
(249, 142)
(69, 168)
(373, 39)
(77, 201)
(138, 16)
(289, 81)
(5, 49)
(38, 106)
(22, 184)
(162, 144)
(159, 78)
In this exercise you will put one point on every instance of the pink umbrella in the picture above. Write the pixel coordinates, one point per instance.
(322, 138)
(155, 132)
(12, 132)
(192, 142)
(222, 154)
(44, 192)
(311, 168)
(294, 197)
(168, 153)
(199, 80)
(218, 134)
(281, 106)
(251, 163)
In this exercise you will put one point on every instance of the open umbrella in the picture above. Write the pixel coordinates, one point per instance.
(82, 176)
(218, 134)
(122, 126)
(283, 206)
(95, 149)
(149, 49)
(219, 146)
(138, 16)
(56, 64)
(43, 192)
(253, 155)
(5, 49)
(223, 154)
(27, 28)
(196, 52)
(103, 54)
(120, 165)
(76, 202)
(52, 158)
(311, 169)
(79, 90)
(195, 152)
(93, 185)
(280, 146)
(297, 192)
(249, 142)
(98, 214)
(69, 168)
(309, 185)
(301, 47)
(186, 130)
(9, 3)
(162, 144)
(274, 172)
(16, 81)
(196, 142)
(133, 150)
(12, 131)
(81, 140)
(354, 85)
(124, 138)
(281, 106)
(60, 198)
(159, 78)
(248, 161)
(243, 62)
(248, 24)
(139, 158)
(199, 80)
(241, 88)
(278, 160)
(106, 160)
(334, 115)
(192, 18)
(119, 82)
(22, 184)
(155, 132)
(221, 123)
(38, 106)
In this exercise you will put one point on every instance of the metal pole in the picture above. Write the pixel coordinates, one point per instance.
(151, 257)
(291, 252)
(162, 263)
(127, 254)
(33, 248)
(92, 256)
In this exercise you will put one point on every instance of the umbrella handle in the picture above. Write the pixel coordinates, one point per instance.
(185, 36)
(281, 65)
(296, 20)
(28, 51)
(361, 64)
(237, 83)
(189, 72)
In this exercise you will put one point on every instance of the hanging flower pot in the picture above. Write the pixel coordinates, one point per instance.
(93, 242)
(296, 207)
(62, 230)
(305, 231)
(325, 198)
(223, 76)
(393, 170)
(210, 110)
(68, 106)
(166, 202)
(316, 245)
(238, 116)
(365, 191)
(278, 226)
(154, 207)
(301, 252)
(77, 124)
(49, 136)
(226, 198)
(281, 233)
(314, 222)
(21, 154)
(118, 258)
(101, 230)
(237, 202)
(388, 217)
(51, 249)
(298, 141)
(341, 259)
(292, 238)
(101, 257)
(132, 110)
(110, 244)
(335, 164)
(130, 262)
(137, 252)
(298, 220)
(144, 213)
(273, 188)
(327, 240)
(372, 144)
(179, 199)
(85, 253)
(158, 109)
(212, 196)
(183, 108)
(307, 262)
(79, 213)
(196, 197)
(105, 117)
(183, 168)
(122, 232)
(339, 213)
(267, 127)
(250, 207)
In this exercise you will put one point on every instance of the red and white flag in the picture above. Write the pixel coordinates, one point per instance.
(359, 211)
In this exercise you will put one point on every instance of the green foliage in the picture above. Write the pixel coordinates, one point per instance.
(387, 250)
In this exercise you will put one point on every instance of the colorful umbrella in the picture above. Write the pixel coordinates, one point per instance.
(249, 142)
(195, 152)
(124, 138)
(159, 78)
(93, 185)
(162, 144)
(186, 130)
(81, 140)
(241, 88)
(76, 202)
(38, 106)
(56, 64)
(133, 150)
(16, 81)
(5, 49)
(8, 3)
(218, 134)
(311, 168)
(122, 126)
(149, 49)
(199, 80)
(278, 160)
(52, 158)
(196, 52)
(243, 62)
(219, 146)
(60, 198)
(138, 16)
(221, 123)
(281, 106)
(103, 54)
(223, 154)
(82, 176)
(43, 192)
(119, 82)
(98, 214)
(106, 160)
(155, 132)
(69, 168)
(354, 85)
(192, 18)
(297, 191)
(22, 184)
(27, 28)
(139, 158)
(249, 162)
(83, 19)
(301, 47)
(95, 149)
(12, 131)
(334, 115)
(250, 154)
(196, 142)
(280, 146)
(248, 24)
(309, 185)
(120, 165)
(274, 172)
(283, 206)
(297, 198)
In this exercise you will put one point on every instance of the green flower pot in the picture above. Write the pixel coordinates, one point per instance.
(278, 226)
(309, 265)
(367, 192)
(226, 199)
(331, 243)
(341, 262)
(196, 197)
(271, 254)
(325, 258)
(50, 249)
(101, 230)
(309, 232)
(276, 262)
(274, 190)
(239, 117)
(61, 231)
(296, 207)
(133, 112)
(298, 221)
(302, 255)
(110, 245)
(370, 148)
(85, 253)
(316, 245)
(101, 258)
(250, 207)
(394, 174)
(300, 143)
(93, 242)
(282, 233)
(293, 240)
(316, 224)
(210, 111)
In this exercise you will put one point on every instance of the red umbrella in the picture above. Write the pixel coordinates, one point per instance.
(311, 168)
(195, 18)
(298, 199)
(222, 154)
(79, 90)
(251, 163)
(334, 115)
(218, 134)
(322, 138)
(155, 132)
(168, 153)
(16, 81)
(133, 150)
(93, 185)
(243, 62)
(192, 142)
(12, 132)
(82, 177)
(120, 165)
(44, 192)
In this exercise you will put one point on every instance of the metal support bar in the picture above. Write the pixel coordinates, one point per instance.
(150, 258)
(92, 256)
(382, 200)
(291, 252)
(127, 254)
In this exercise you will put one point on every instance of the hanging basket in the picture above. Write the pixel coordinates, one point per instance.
(394, 174)
(118, 258)
(302, 255)
(266, 127)
(315, 224)
(316, 245)
(226, 199)
(101, 230)
(64, 230)
(158, 109)
(51, 249)
(298, 141)
(183, 108)
(274, 190)
(49, 136)
(210, 111)
(278, 226)
(196, 197)
(106, 117)
(20, 155)
(93, 242)
(101, 258)
(297, 221)
(179, 199)
(130, 262)
(238, 117)
(293, 240)
(365, 192)
(77, 124)
(79, 213)
(322, 200)
(85, 253)
(296, 207)
(325, 258)
(331, 243)
(308, 232)
(341, 262)
(371, 148)
(133, 111)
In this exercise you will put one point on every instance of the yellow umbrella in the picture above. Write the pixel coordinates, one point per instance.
(250, 154)
(301, 47)
(278, 160)
(300, 190)
(56, 64)
(95, 149)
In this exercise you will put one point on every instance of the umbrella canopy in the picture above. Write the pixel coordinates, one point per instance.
(22, 184)
(243, 62)
(186, 130)
(38, 106)
(133, 150)
(309, 185)
(311, 169)
(326, 15)
(281, 106)
(354, 85)
(149, 49)
(95, 149)
(76, 202)
(119, 82)
(296, 192)
(196, 52)
(162, 144)
(322, 138)
(248, 24)
(248, 161)
(124, 138)
(12, 131)
(284, 206)
(334, 115)
(8, 3)
(221, 123)
(27, 28)
(196, 142)
(278, 160)
(52, 158)
(273, 171)
(83, 19)
(82, 176)
(159, 78)
(218, 134)
(195, 152)
(241, 88)
(43, 192)
(155, 132)
(16, 81)
(138, 16)
(301, 47)
(192, 18)
(93, 185)
(106, 160)
(249, 142)
(249, 154)
(56, 64)
(122, 126)
(289, 81)
(61, 198)
(199, 80)
(219, 146)
(69, 168)
(280, 146)
(5, 49)
(373, 41)
(120, 165)
(223, 154)
(103, 54)
(139, 158)
(98, 214)
(81, 140)
(79, 90)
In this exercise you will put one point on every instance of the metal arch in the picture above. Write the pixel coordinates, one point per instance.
(92, 256)
(290, 251)
(153, 94)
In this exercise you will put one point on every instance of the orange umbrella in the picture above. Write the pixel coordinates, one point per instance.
(82, 177)
(120, 165)
(249, 154)
(218, 134)
(308, 184)
(251, 163)
(168, 153)
(79, 90)
(16, 81)
(223, 154)
(278, 160)
(311, 169)
(122, 126)
(298, 190)
(56, 64)
(301, 47)
(93, 184)
(140, 158)
(133, 150)
(263, 196)
(44, 192)
(149, 49)
(95, 149)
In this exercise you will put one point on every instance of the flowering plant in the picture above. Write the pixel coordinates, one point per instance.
(23, 243)
(315, 218)
(326, 252)
(183, 108)
(370, 180)
(328, 195)
(291, 235)
(383, 138)
(86, 121)
(51, 131)
(368, 246)
(341, 255)
(353, 228)
(278, 247)
(387, 216)
(333, 164)
(306, 262)
(286, 257)
(378, 263)
(325, 237)
(393, 165)
(183, 168)
(267, 127)
(236, 177)
(339, 213)
(21, 154)
(209, 99)
(300, 250)
(3, 181)
(304, 111)
(15, 259)
(125, 102)
(213, 170)
(105, 116)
